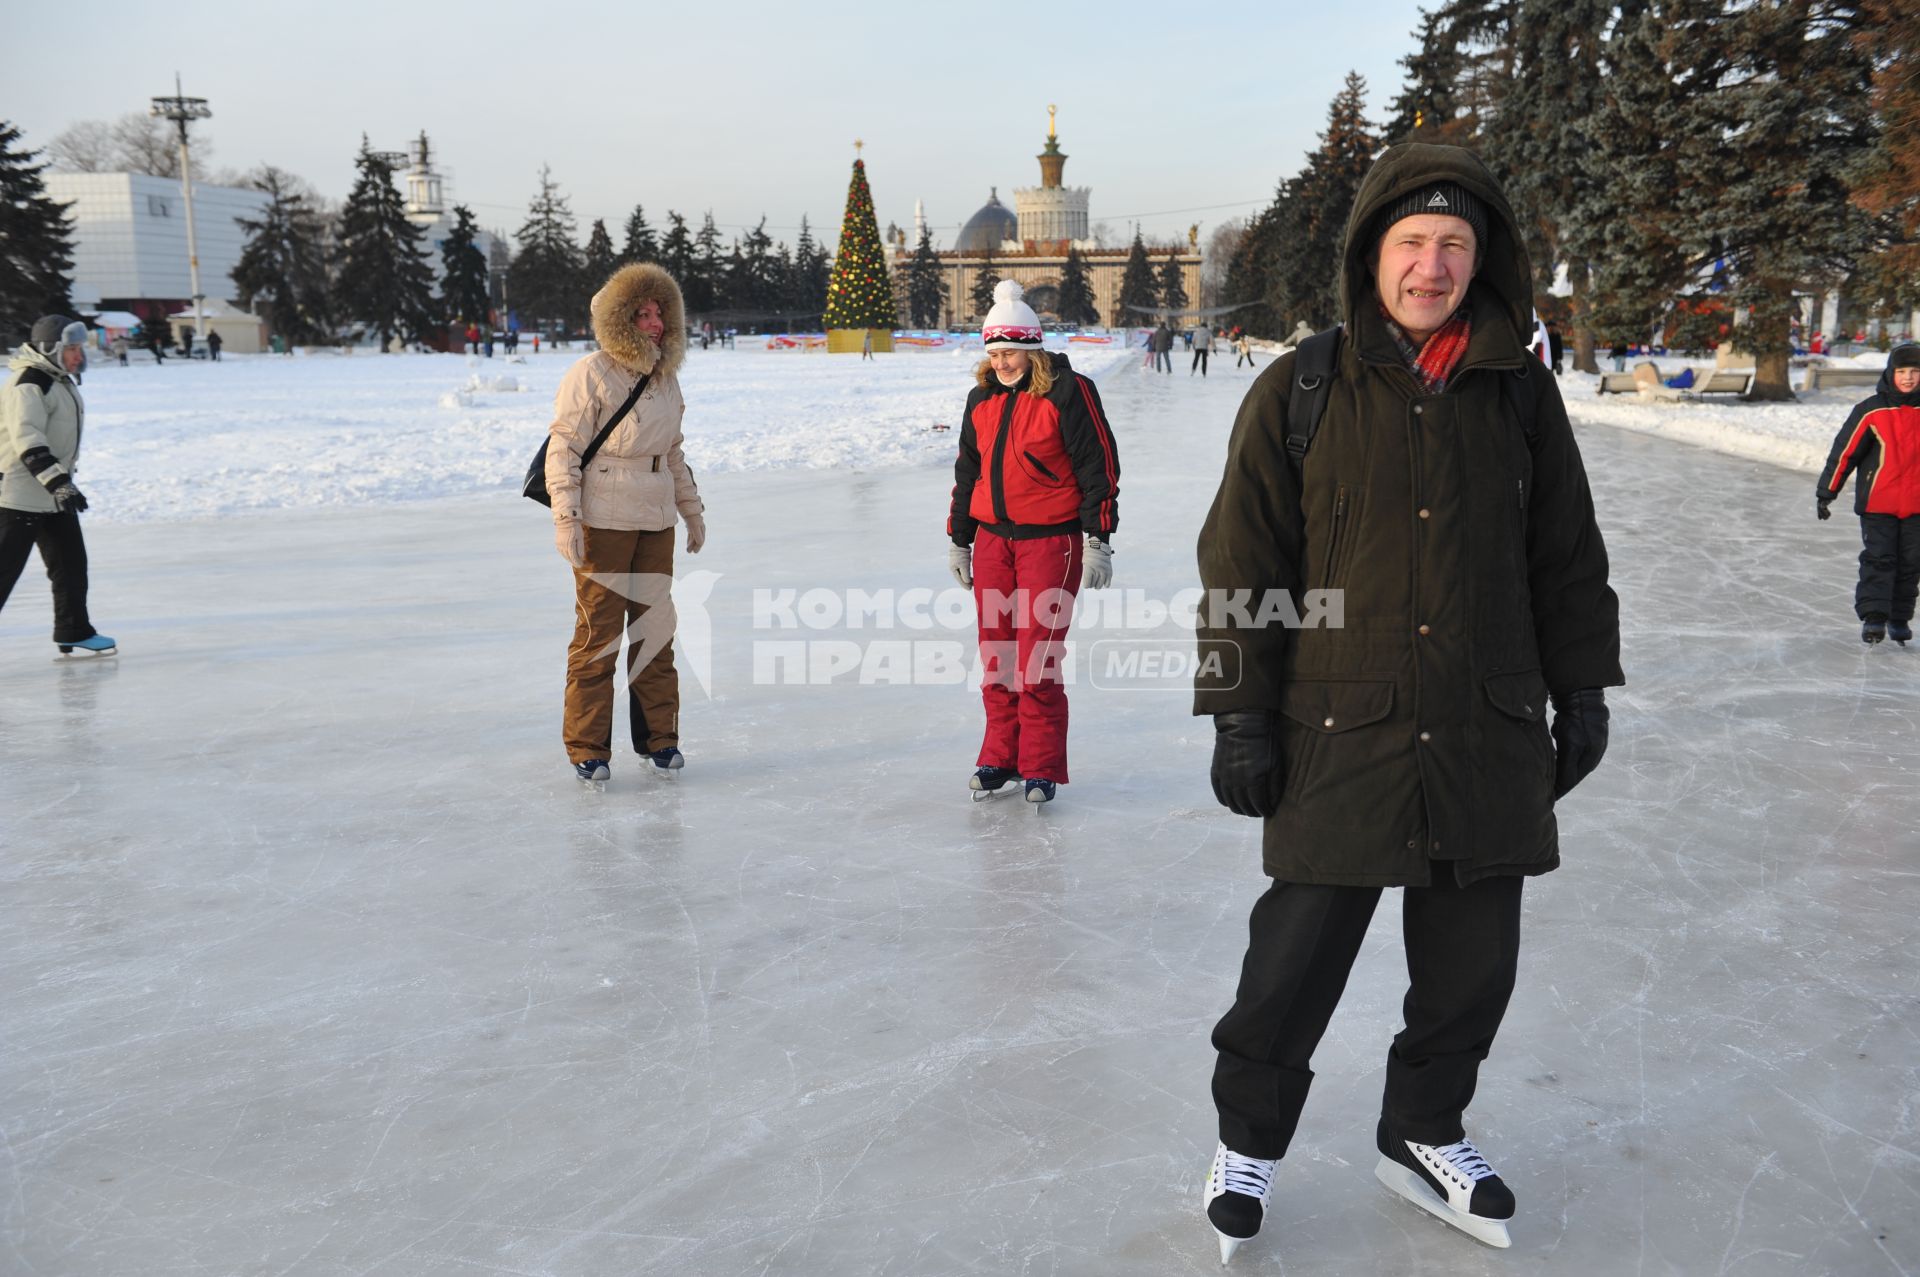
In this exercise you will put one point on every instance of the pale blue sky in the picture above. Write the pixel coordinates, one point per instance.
(745, 108)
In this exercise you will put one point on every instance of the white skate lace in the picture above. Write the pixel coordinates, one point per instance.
(1466, 1159)
(1250, 1175)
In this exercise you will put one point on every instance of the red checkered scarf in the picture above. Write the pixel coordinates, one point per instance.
(1434, 362)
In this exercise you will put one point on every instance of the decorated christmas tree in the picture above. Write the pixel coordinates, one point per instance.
(859, 296)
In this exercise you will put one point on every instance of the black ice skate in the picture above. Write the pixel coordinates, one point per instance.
(1872, 632)
(1900, 632)
(1039, 791)
(1451, 1182)
(592, 770)
(668, 760)
(988, 781)
(1236, 1199)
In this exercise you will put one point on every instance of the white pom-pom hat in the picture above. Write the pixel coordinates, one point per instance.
(1011, 323)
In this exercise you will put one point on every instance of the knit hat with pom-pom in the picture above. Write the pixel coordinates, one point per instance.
(1011, 324)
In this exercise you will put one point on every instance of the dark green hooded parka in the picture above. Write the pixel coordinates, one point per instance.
(1414, 737)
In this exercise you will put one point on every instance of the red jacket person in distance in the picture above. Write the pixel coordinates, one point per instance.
(1880, 444)
(1035, 490)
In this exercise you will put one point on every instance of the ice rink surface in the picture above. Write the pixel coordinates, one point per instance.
(316, 960)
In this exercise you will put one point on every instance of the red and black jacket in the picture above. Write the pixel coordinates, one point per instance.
(1881, 440)
(1035, 467)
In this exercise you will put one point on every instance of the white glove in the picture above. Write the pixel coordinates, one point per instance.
(696, 532)
(960, 563)
(1096, 564)
(571, 540)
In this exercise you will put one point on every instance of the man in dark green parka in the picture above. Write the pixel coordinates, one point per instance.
(1442, 499)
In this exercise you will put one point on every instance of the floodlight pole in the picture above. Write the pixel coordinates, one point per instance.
(181, 109)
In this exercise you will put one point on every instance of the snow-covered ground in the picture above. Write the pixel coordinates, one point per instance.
(274, 432)
(192, 439)
(316, 961)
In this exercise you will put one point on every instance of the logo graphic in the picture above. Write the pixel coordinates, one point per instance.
(1439, 200)
(671, 604)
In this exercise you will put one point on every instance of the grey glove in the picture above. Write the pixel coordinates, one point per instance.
(66, 497)
(1096, 564)
(1247, 777)
(960, 563)
(1579, 737)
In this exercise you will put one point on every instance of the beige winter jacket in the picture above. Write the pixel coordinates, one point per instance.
(639, 479)
(40, 422)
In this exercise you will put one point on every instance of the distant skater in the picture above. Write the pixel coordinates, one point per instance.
(1035, 503)
(1881, 441)
(1202, 338)
(613, 519)
(41, 414)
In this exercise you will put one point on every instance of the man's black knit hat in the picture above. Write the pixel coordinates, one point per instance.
(1905, 355)
(1448, 198)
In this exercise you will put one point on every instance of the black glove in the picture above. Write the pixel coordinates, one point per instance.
(66, 497)
(1824, 503)
(1579, 737)
(1246, 762)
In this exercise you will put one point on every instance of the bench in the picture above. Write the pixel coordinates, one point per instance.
(1821, 378)
(1724, 381)
(1617, 383)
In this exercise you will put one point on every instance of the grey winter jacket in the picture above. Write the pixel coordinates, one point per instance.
(40, 419)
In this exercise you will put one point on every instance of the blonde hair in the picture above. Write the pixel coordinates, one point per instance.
(1039, 373)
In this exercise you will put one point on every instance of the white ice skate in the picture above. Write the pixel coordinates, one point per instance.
(1236, 1198)
(1452, 1182)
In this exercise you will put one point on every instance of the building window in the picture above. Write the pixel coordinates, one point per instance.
(157, 206)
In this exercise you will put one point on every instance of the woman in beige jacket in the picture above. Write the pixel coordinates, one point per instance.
(613, 522)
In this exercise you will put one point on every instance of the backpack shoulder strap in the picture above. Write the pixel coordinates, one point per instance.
(39, 378)
(1521, 397)
(1313, 367)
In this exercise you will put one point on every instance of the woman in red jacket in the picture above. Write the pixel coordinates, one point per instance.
(1034, 505)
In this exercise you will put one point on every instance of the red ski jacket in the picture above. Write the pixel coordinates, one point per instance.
(1881, 440)
(1035, 467)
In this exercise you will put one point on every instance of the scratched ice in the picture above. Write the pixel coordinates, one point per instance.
(316, 961)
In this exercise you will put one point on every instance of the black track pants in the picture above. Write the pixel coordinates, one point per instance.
(1463, 947)
(64, 552)
(1889, 567)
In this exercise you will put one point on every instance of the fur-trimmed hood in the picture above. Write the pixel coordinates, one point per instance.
(613, 308)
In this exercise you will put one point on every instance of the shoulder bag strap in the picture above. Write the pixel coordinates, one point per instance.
(619, 415)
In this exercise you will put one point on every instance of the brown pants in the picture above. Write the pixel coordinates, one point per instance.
(624, 588)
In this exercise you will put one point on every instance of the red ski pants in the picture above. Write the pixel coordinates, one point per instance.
(1023, 594)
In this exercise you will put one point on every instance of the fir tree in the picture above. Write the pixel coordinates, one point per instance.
(1138, 292)
(926, 290)
(544, 282)
(706, 279)
(1248, 273)
(1458, 75)
(859, 295)
(1887, 188)
(1541, 148)
(463, 286)
(751, 276)
(284, 262)
(811, 270)
(600, 262)
(1076, 292)
(1309, 227)
(1173, 286)
(641, 245)
(676, 248)
(385, 280)
(36, 241)
(985, 280)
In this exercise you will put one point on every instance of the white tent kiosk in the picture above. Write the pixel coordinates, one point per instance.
(240, 332)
